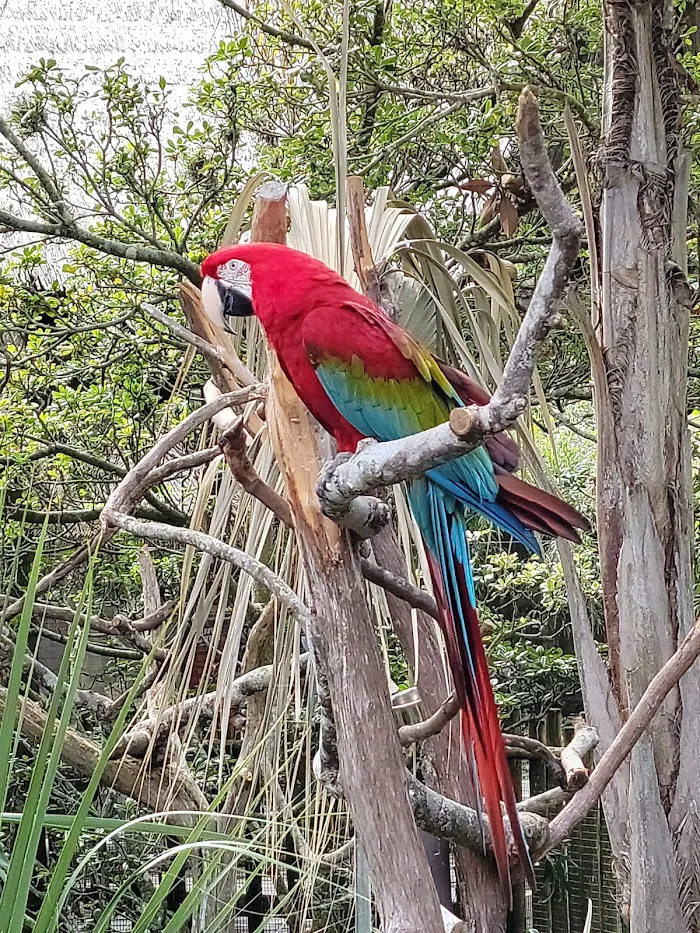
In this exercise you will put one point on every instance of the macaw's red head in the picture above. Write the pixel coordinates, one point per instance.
(277, 284)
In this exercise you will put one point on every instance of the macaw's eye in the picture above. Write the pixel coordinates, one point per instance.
(237, 274)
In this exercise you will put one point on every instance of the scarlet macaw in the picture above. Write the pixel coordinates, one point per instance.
(361, 375)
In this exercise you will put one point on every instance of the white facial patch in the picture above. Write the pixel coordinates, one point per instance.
(211, 301)
(237, 274)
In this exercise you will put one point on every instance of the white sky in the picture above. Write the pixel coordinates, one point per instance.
(156, 37)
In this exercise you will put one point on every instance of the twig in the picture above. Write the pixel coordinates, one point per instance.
(181, 465)
(235, 373)
(204, 347)
(129, 491)
(291, 38)
(417, 732)
(233, 446)
(343, 482)
(106, 651)
(91, 459)
(156, 531)
(66, 567)
(400, 587)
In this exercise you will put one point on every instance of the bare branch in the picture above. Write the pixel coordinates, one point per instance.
(156, 531)
(521, 746)
(448, 819)
(232, 443)
(133, 252)
(233, 446)
(76, 516)
(101, 463)
(139, 740)
(154, 790)
(584, 741)
(552, 799)
(417, 732)
(128, 492)
(181, 465)
(626, 739)
(204, 347)
(284, 35)
(77, 559)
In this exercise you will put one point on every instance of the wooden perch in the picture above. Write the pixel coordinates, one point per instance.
(584, 741)
(344, 485)
(521, 746)
(451, 820)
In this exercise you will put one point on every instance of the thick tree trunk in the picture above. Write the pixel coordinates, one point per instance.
(372, 773)
(444, 765)
(644, 505)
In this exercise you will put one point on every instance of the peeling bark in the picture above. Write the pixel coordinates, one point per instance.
(644, 504)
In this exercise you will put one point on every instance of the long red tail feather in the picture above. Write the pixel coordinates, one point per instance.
(539, 510)
(481, 728)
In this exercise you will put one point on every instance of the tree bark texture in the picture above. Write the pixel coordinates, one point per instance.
(644, 493)
(372, 772)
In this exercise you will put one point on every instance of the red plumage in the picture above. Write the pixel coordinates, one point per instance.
(288, 288)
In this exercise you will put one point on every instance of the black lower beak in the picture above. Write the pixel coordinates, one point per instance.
(233, 302)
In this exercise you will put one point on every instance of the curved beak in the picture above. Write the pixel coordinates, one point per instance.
(222, 301)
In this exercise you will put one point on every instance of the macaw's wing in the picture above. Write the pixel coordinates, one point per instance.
(388, 386)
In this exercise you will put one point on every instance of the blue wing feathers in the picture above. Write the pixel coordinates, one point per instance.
(470, 480)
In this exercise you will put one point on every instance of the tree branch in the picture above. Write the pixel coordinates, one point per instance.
(101, 463)
(626, 739)
(153, 789)
(232, 443)
(134, 253)
(448, 819)
(531, 748)
(75, 516)
(140, 739)
(156, 531)
(207, 349)
(291, 38)
(344, 484)
(417, 732)
(130, 490)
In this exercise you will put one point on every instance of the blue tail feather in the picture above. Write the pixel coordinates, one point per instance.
(440, 516)
(490, 509)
